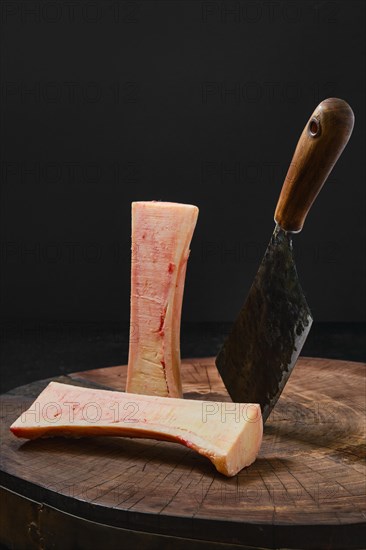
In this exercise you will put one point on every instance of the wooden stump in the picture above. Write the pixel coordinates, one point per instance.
(306, 490)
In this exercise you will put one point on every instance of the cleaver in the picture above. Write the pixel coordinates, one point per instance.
(265, 341)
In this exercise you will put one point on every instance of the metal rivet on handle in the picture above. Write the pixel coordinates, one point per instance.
(314, 127)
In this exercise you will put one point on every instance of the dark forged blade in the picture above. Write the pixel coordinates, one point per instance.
(259, 354)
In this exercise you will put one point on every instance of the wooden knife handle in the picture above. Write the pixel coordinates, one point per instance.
(321, 143)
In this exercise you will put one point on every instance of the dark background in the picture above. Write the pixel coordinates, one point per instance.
(108, 102)
(104, 103)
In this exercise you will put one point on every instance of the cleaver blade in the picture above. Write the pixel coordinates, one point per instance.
(266, 339)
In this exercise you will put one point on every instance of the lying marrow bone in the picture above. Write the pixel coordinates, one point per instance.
(228, 434)
(161, 235)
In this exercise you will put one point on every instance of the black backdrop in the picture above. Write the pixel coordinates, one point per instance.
(103, 103)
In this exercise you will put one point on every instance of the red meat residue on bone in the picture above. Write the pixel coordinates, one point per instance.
(162, 321)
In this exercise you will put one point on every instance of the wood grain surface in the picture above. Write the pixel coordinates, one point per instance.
(306, 489)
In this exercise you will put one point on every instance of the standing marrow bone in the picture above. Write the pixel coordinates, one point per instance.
(161, 236)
